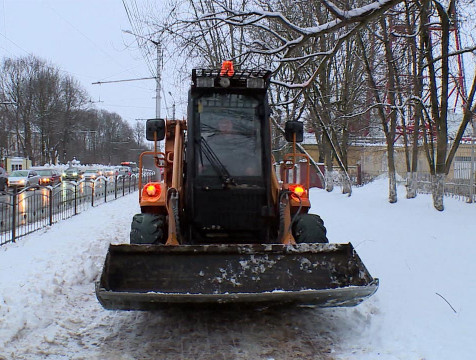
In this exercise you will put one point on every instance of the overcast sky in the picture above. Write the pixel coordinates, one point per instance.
(86, 39)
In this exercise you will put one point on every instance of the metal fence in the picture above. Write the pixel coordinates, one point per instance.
(30, 209)
(458, 188)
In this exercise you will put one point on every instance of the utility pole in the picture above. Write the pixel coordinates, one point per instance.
(158, 77)
(158, 87)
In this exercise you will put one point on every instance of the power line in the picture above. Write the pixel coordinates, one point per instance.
(45, 64)
(127, 106)
(14, 43)
(138, 30)
(91, 41)
(84, 35)
(124, 80)
(137, 16)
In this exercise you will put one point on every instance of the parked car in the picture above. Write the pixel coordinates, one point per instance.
(109, 172)
(91, 174)
(49, 176)
(72, 173)
(124, 171)
(23, 178)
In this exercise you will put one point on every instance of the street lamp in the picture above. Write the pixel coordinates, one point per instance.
(173, 105)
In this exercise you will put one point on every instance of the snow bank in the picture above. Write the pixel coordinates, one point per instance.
(425, 262)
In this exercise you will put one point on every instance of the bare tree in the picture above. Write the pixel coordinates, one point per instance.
(138, 132)
(17, 78)
(73, 99)
(45, 114)
(299, 51)
(297, 40)
(388, 118)
(411, 68)
(46, 103)
(437, 57)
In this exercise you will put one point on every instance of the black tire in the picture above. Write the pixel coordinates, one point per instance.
(148, 229)
(309, 228)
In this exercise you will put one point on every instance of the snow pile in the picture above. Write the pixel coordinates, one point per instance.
(422, 310)
(425, 261)
(52, 272)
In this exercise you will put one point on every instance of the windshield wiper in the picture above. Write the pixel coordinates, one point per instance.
(217, 165)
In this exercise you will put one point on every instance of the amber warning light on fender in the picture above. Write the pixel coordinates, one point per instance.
(298, 190)
(151, 190)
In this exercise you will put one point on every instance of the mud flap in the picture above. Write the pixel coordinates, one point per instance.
(144, 277)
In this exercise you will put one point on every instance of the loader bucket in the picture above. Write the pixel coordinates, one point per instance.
(140, 277)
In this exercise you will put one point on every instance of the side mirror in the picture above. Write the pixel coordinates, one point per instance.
(155, 126)
(294, 127)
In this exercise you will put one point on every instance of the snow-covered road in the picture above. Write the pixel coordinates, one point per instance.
(48, 308)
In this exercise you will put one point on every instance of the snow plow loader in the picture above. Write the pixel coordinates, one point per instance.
(218, 227)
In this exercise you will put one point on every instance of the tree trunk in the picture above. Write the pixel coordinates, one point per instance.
(412, 184)
(392, 179)
(412, 177)
(438, 190)
(346, 185)
(329, 176)
(392, 187)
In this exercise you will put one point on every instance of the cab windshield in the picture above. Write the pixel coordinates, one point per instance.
(230, 128)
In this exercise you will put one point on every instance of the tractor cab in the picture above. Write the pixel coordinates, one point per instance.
(228, 142)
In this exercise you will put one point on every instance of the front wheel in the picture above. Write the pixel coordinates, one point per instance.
(148, 229)
(309, 228)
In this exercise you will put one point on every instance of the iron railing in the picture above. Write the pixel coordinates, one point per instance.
(23, 211)
(458, 188)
